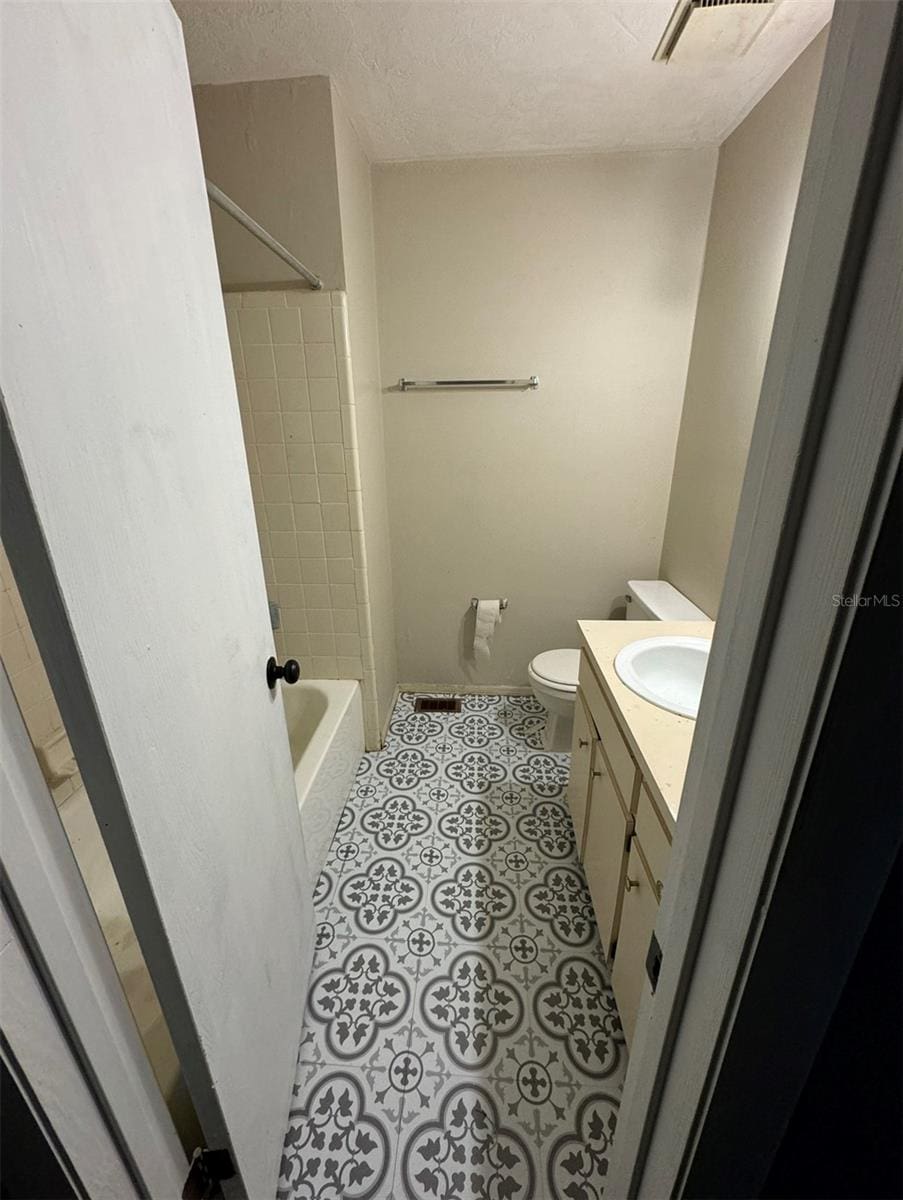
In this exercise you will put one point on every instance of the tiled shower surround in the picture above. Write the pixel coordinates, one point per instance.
(296, 395)
(461, 1039)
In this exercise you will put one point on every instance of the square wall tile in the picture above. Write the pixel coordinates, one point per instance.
(262, 394)
(317, 596)
(275, 488)
(327, 426)
(294, 620)
(297, 427)
(287, 570)
(324, 395)
(341, 570)
(338, 544)
(289, 362)
(308, 517)
(290, 596)
(349, 668)
(259, 362)
(333, 487)
(254, 327)
(330, 458)
(318, 324)
(271, 459)
(343, 596)
(305, 489)
(311, 544)
(300, 458)
(313, 570)
(322, 643)
(279, 517)
(283, 544)
(293, 395)
(297, 645)
(321, 360)
(345, 622)
(349, 646)
(268, 428)
(335, 516)
(285, 325)
(319, 620)
(323, 666)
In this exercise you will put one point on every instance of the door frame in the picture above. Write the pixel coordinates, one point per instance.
(65, 1016)
(823, 456)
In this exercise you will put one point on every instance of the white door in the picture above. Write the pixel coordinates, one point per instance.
(127, 514)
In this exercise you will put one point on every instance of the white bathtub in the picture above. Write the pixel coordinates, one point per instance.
(326, 735)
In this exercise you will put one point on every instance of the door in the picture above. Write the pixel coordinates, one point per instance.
(608, 829)
(638, 916)
(581, 757)
(127, 516)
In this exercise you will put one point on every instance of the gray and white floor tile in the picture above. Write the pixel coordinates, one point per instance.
(461, 1040)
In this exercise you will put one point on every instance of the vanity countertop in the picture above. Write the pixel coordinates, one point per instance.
(660, 740)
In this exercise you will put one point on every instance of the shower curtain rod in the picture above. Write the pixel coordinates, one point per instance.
(222, 200)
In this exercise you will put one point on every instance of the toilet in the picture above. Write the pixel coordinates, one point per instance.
(553, 673)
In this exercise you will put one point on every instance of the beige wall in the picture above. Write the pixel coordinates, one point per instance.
(356, 210)
(585, 271)
(759, 169)
(269, 145)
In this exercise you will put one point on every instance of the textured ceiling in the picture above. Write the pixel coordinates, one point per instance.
(456, 78)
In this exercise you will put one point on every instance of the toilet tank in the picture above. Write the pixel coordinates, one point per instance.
(658, 600)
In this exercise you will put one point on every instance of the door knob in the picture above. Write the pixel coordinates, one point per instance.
(290, 671)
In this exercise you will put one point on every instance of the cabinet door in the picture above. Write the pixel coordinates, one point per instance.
(638, 915)
(581, 760)
(604, 853)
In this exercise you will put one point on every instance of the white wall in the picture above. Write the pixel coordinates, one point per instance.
(269, 145)
(759, 169)
(356, 211)
(585, 271)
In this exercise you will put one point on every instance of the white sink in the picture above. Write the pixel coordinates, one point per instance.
(668, 671)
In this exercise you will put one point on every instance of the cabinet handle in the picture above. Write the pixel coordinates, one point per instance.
(598, 774)
(659, 888)
(629, 884)
(582, 742)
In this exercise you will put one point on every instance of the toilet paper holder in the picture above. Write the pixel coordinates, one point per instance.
(475, 600)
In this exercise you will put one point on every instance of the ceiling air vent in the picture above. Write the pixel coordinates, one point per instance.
(711, 30)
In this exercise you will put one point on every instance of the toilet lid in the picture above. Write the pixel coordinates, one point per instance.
(558, 666)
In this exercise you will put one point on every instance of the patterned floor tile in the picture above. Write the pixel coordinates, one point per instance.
(461, 1038)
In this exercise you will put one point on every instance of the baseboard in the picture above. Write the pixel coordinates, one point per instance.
(463, 689)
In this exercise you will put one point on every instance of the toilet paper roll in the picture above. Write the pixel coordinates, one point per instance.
(488, 616)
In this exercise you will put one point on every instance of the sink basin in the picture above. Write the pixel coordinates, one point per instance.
(667, 671)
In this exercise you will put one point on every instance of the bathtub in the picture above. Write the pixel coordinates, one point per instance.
(326, 735)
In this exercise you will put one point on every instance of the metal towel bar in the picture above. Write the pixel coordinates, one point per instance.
(411, 385)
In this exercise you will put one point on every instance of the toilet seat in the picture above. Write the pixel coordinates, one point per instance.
(557, 669)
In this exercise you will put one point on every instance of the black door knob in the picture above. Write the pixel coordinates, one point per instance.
(290, 671)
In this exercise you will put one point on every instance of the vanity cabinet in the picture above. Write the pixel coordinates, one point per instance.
(623, 842)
